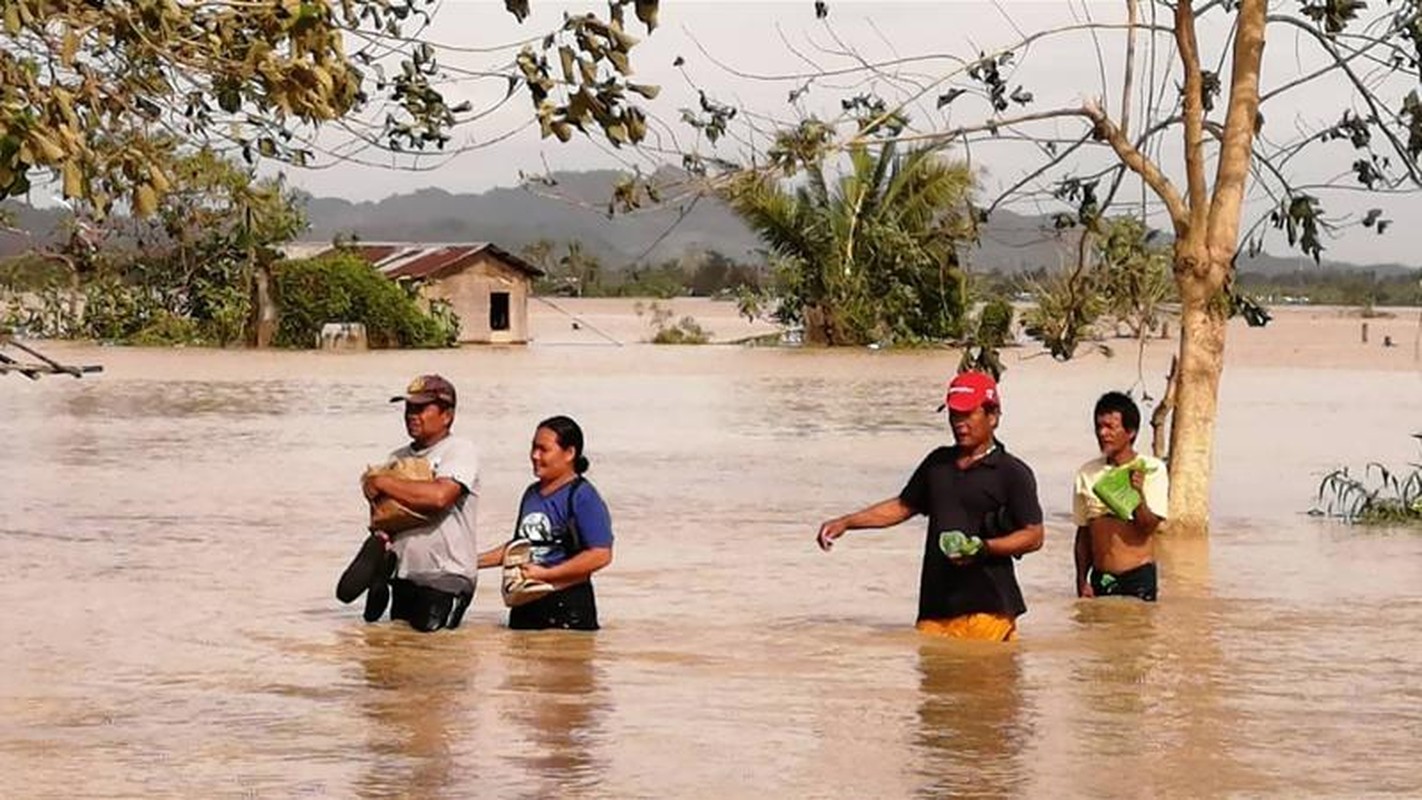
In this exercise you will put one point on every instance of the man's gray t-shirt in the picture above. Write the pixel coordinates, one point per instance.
(444, 554)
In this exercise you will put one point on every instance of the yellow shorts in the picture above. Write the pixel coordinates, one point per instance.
(978, 627)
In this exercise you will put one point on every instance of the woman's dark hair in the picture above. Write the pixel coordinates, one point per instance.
(569, 435)
(1121, 404)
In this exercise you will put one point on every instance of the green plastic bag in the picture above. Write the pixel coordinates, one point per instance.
(1114, 488)
(956, 544)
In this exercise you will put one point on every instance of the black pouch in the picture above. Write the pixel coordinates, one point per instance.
(999, 523)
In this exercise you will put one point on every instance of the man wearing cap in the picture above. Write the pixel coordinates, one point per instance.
(977, 494)
(435, 564)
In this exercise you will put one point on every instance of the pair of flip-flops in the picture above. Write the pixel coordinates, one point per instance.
(517, 589)
(369, 572)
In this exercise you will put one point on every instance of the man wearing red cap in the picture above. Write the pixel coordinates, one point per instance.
(982, 509)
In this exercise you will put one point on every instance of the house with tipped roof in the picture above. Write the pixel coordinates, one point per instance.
(487, 286)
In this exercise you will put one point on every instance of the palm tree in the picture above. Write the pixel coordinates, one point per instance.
(872, 260)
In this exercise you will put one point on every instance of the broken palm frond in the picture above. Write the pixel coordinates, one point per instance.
(41, 365)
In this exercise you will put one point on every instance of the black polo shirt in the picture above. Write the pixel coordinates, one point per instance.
(967, 500)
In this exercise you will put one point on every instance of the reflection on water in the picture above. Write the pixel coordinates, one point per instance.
(554, 675)
(415, 698)
(173, 529)
(972, 731)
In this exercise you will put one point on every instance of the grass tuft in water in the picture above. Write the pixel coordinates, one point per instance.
(1379, 496)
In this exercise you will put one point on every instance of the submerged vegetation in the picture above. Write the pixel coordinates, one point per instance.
(869, 257)
(684, 331)
(344, 287)
(1379, 496)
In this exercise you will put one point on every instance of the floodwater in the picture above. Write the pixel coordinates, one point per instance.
(173, 529)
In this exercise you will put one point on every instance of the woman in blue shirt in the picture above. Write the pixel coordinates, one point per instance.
(565, 530)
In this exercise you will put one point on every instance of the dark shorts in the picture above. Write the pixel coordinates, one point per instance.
(573, 608)
(1139, 582)
(426, 609)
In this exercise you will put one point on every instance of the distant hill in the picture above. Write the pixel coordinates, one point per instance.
(573, 209)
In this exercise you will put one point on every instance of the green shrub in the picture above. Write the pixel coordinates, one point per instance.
(686, 331)
(167, 329)
(990, 333)
(344, 288)
(33, 272)
(115, 311)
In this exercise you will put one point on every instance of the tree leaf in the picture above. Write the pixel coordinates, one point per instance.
(145, 200)
(647, 13)
(519, 8)
(620, 62)
(949, 96)
(73, 180)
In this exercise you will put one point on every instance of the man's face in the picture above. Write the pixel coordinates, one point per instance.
(974, 428)
(1111, 436)
(427, 423)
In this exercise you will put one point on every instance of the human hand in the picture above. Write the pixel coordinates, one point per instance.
(829, 531)
(534, 572)
(1138, 479)
(960, 548)
(368, 486)
(1083, 589)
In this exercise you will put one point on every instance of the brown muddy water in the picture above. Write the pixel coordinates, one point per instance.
(173, 529)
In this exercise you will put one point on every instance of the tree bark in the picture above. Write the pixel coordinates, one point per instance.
(1161, 416)
(1192, 432)
(264, 310)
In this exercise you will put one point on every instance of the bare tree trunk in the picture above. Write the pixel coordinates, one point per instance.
(264, 310)
(1192, 433)
(816, 326)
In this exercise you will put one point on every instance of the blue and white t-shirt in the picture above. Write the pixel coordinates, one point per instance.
(544, 521)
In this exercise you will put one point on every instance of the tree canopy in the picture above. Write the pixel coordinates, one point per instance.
(99, 95)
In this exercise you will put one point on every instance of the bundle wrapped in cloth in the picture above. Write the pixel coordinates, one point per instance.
(388, 514)
(517, 589)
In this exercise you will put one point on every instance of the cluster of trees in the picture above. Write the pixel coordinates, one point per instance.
(204, 268)
(1332, 287)
(570, 271)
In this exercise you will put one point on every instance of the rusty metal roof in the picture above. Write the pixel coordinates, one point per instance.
(418, 260)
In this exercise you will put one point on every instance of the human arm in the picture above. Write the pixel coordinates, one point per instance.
(1082, 550)
(573, 571)
(880, 515)
(493, 557)
(1145, 518)
(456, 473)
(1021, 541)
(426, 497)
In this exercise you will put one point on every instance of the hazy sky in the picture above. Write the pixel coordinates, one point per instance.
(762, 40)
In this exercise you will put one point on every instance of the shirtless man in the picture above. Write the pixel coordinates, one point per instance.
(1116, 556)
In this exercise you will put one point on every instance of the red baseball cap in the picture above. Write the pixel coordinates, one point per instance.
(968, 390)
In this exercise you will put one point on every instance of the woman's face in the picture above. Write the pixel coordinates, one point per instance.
(550, 461)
